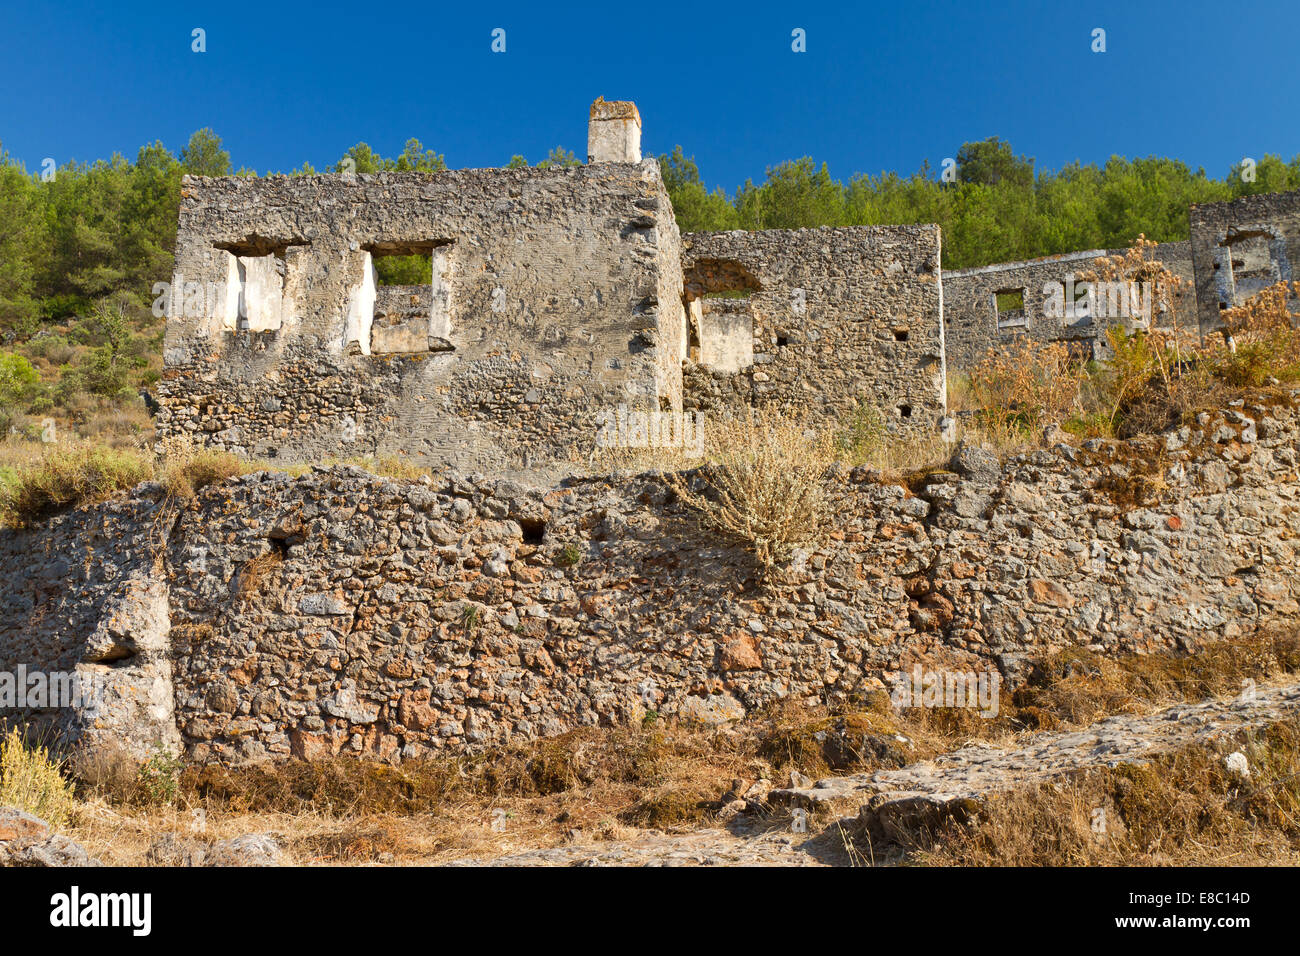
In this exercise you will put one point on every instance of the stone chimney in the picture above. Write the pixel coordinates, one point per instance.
(613, 132)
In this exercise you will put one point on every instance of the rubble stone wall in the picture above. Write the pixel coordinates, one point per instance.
(86, 595)
(556, 293)
(973, 326)
(840, 316)
(340, 612)
(1242, 246)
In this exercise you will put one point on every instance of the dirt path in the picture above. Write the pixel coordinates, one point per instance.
(885, 798)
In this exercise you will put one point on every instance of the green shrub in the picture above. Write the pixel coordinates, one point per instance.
(31, 780)
(160, 776)
(863, 434)
(19, 382)
(66, 479)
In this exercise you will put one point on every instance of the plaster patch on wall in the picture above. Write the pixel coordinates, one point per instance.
(261, 293)
(726, 334)
(361, 309)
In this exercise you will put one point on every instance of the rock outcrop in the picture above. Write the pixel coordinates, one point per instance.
(26, 840)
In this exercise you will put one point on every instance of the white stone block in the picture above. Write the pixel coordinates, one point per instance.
(229, 299)
(613, 133)
(440, 305)
(726, 335)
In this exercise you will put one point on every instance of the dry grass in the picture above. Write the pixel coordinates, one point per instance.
(595, 784)
(187, 470)
(256, 574)
(863, 439)
(615, 460)
(32, 780)
(386, 466)
(1265, 340)
(108, 769)
(117, 425)
(763, 484)
(1154, 379)
(588, 785)
(1077, 687)
(1018, 390)
(121, 837)
(67, 477)
(40, 480)
(1138, 264)
(1181, 809)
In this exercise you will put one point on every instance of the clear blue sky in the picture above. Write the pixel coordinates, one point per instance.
(881, 86)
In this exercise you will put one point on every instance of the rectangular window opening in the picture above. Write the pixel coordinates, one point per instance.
(1010, 307)
(253, 299)
(412, 297)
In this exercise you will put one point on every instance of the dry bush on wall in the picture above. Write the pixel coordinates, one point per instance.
(1138, 264)
(1263, 341)
(1021, 388)
(1154, 378)
(764, 482)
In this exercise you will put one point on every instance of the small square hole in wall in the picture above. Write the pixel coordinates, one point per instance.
(533, 529)
(904, 411)
(900, 335)
(782, 341)
(402, 264)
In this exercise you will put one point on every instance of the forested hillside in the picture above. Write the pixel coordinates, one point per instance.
(998, 209)
(82, 246)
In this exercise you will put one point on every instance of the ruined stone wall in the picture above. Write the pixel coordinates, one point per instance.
(342, 612)
(85, 594)
(555, 293)
(1177, 258)
(838, 316)
(1240, 247)
(973, 324)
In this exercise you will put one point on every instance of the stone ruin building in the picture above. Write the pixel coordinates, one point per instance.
(1241, 247)
(1046, 300)
(553, 292)
(556, 296)
(343, 613)
(1236, 249)
(818, 320)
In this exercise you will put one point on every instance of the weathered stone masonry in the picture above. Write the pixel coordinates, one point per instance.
(1236, 249)
(819, 320)
(1242, 246)
(974, 323)
(556, 293)
(87, 594)
(342, 612)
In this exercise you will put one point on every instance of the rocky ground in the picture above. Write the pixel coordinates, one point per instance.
(834, 821)
(886, 801)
